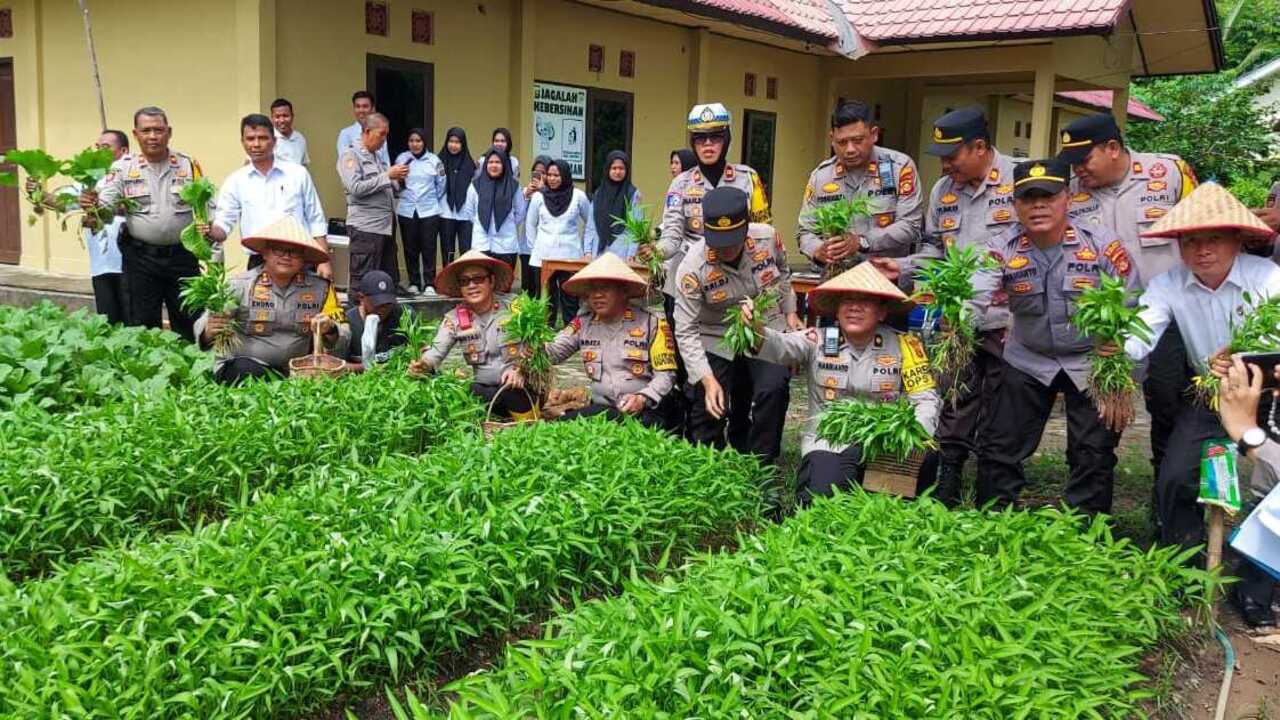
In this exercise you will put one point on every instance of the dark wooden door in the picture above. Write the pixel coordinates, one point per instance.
(610, 114)
(10, 227)
(404, 91)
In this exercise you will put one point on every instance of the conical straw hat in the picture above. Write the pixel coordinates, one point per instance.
(863, 279)
(606, 268)
(287, 231)
(1209, 207)
(447, 279)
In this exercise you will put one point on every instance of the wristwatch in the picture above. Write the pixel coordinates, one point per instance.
(1252, 439)
(864, 244)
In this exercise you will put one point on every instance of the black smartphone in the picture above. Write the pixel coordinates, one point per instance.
(1267, 363)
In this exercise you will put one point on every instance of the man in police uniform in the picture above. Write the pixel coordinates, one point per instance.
(1046, 262)
(734, 262)
(280, 304)
(370, 186)
(970, 204)
(153, 259)
(859, 167)
(1126, 192)
(628, 352)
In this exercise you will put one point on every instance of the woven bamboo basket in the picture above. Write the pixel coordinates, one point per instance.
(318, 364)
(894, 476)
(491, 426)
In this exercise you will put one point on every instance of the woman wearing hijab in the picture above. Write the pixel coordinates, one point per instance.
(610, 201)
(501, 139)
(528, 273)
(682, 159)
(459, 171)
(496, 208)
(419, 211)
(557, 228)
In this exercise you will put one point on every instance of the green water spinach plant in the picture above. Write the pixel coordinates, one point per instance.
(879, 429)
(741, 336)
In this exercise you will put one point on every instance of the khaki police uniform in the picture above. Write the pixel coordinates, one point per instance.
(370, 212)
(483, 339)
(1046, 356)
(892, 183)
(682, 212)
(633, 355)
(153, 258)
(273, 324)
(756, 390)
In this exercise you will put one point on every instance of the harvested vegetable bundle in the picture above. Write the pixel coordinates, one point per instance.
(1104, 313)
(1259, 332)
(740, 336)
(834, 219)
(527, 325)
(642, 229)
(947, 286)
(40, 166)
(87, 168)
(209, 291)
(418, 334)
(877, 428)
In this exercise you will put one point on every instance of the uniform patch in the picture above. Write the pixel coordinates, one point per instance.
(906, 181)
(1021, 288)
(884, 220)
(575, 326)
(695, 224)
(888, 386)
(767, 276)
(886, 360)
(1118, 256)
(308, 297)
(995, 255)
(994, 175)
(695, 192)
(948, 223)
(1157, 185)
(948, 198)
(1086, 254)
(729, 173)
(829, 394)
(1158, 170)
(1018, 261)
(259, 328)
(134, 174)
(713, 255)
(1004, 189)
(662, 351)
(1081, 197)
(948, 240)
(830, 188)
(261, 316)
(628, 314)
(1082, 283)
(878, 341)
(760, 256)
(1137, 168)
(636, 332)
(1001, 215)
(589, 356)
(829, 381)
(1024, 243)
(916, 373)
(637, 369)
(1154, 213)
(351, 163)
(714, 275)
(808, 192)
(690, 286)
(673, 200)
(719, 296)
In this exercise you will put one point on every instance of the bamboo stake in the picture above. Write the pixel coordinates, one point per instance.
(1217, 529)
(93, 63)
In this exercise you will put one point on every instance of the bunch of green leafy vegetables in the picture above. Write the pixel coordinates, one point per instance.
(1109, 314)
(834, 219)
(740, 336)
(40, 168)
(640, 227)
(879, 429)
(528, 326)
(210, 291)
(1258, 332)
(946, 286)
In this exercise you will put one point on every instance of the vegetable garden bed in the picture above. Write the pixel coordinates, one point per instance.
(355, 576)
(863, 607)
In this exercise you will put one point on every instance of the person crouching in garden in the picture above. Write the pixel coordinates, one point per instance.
(482, 283)
(865, 359)
(373, 321)
(279, 307)
(627, 351)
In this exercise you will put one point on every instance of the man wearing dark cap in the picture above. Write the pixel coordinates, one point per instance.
(735, 261)
(373, 319)
(1046, 262)
(970, 204)
(1126, 192)
(860, 167)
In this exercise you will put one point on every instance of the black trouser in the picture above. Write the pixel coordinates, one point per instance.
(509, 401)
(1177, 487)
(508, 258)
(1168, 377)
(530, 277)
(678, 409)
(756, 398)
(1017, 423)
(388, 262)
(455, 239)
(255, 260)
(649, 417)
(420, 235)
(238, 369)
(109, 298)
(822, 472)
(962, 421)
(564, 303)
(153, 280)
(366, 254)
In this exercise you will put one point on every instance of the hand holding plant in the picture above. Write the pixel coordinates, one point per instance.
(834, 220)
(527, 325)
(744, 323)
(877, 428)
(1259, 331)
(946, 285)
(1106, 314)
(640, 227)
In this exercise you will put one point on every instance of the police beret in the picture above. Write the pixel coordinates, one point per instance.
(1050, 175)
(1079, 136)
(956, 128)
(724, 217)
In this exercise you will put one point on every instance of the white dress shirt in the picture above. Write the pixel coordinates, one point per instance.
(423, 188)
(1204, 316)
(350, 134)
(563, 237)
(500, 240)
(103, 244)
(293, 148)
(253, 200)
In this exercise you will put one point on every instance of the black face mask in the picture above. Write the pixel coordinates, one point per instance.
(714, 171)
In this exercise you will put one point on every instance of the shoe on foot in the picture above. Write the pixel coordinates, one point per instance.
(429, 292)
(1255, 614)
(413, 289)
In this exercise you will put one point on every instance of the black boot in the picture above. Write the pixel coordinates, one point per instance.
(947, 490)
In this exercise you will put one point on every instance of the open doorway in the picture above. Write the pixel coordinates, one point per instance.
(404, 91)
(608, 129)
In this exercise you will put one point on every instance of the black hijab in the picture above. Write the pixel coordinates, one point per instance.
(422, 135)
(544, 161)
(557, 201)
(611, 200)
(686, 157)
(459, 168)
(497, 195)
(713, 172)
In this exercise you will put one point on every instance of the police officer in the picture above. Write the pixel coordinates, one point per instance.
(710, 135)
(278, 303)
(628, 352)
(859, 358)
(1046, 262)
(1126, 192)
(859, 167)
(146, 186)
(970, 204)
(370, 186)
(483, 284)
(736, 260)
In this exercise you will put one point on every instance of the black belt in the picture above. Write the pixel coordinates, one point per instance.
(146, 248)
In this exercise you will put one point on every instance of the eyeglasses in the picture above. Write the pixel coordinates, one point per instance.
(285, 251)
(465, 280)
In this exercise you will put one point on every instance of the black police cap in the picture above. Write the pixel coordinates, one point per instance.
(724, 217)
(1079, 136)
(1050, 175)
(956, 128)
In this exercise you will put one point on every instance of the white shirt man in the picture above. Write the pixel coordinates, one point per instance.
(291, 146)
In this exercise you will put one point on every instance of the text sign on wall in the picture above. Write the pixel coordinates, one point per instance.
(560, 124)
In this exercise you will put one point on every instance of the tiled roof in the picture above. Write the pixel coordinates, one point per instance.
(883, 20)
(1101, 99)
(811, 16)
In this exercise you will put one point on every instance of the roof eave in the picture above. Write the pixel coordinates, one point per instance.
(751, 21)
(992, 37)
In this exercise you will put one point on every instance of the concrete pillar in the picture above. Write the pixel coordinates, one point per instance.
(255, 38)
(1042, 111)
(523, 27)
(699, 66)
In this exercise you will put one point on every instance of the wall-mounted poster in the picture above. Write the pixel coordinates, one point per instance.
(559, 123)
